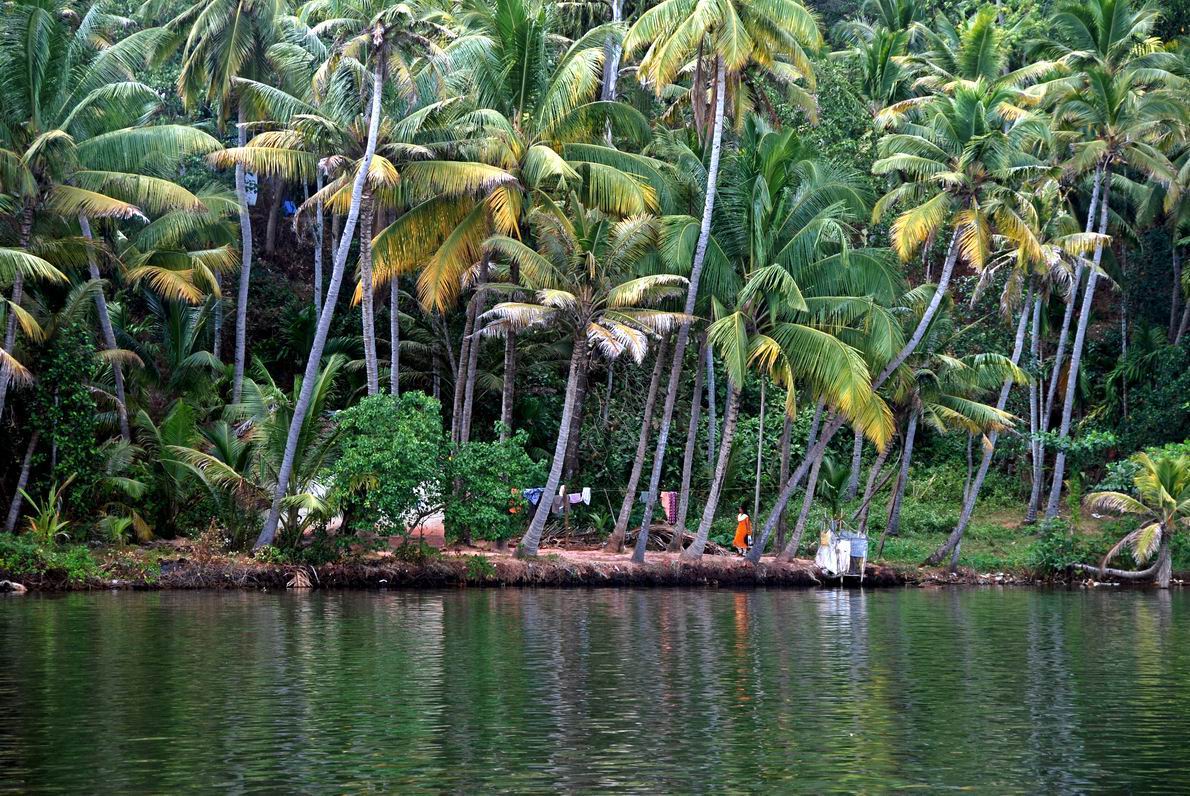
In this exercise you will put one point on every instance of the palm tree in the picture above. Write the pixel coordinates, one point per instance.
(1117, 102)
(1162, 502)
(732, 36)
(225, 40)
(585, 273)
(74, 142)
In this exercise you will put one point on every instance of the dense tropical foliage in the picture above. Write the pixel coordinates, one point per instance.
(639, 248)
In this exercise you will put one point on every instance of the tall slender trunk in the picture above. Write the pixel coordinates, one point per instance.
(217, 320)
(270, 229)
(857, 457)
(1036, 451)
(237, 382)
(570, 463)
(460, 371)
(759, 451)
(1068, 314)
(314, 361)
(18, 288)
(508, 385)
(611, 66)
(14, 508)
(1175, 296)
(712, 421)
(109, 335)
(677, 543)
(319, 234)
(615, 542)
(872, 487)
(394, 336)
(812, 434)
(953, 542)
(1076, 353)
(480, 301)
(970, 475)
(789, 552)
(731, 415)
(675, 376)
(367, 291)
(786, 438)
(893, 526)
(532, 538)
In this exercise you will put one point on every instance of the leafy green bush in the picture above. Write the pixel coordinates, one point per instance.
(24, 556)
(389, 473)
(490, 475)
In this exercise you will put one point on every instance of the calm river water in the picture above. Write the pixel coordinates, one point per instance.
(485, 691)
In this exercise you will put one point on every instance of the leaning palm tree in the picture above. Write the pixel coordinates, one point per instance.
(723, 39)
(585, 274)
(75, 145)
(1162, 502)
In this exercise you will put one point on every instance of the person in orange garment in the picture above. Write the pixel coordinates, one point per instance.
(743, 532)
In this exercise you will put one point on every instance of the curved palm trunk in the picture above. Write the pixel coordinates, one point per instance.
(953, 542)
(712, 420)
(570, 464)
(683, 338)
(14, 508)
(319, 235)
(1068, 313)
(615, 542)
(532, 539)
(313, 362)
(237, 382)
(857, 455)
(1161, 572)
(677, 543)
(18, 289)
(893, 526)
(1076, 353)
(789, 552)
(394, 337)
(786, 438)
(759, 452)
(367, 292)
(109, 335)
(1036, 451)
(731, 415)
(871, 488)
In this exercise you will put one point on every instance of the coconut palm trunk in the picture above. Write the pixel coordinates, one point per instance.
(237, 382)
(759, 452)
(532, 539)
(1068, 313)
(677, 543)
(611, 65)
(857, 456)
(1182, 327)
(570, 463)
(367, 292)
(313, 362)
(871, 488)
(508, 383)
(786, 439)
(954, 541)
(270, 229)
(14, 507)
(480, 301)
(459, 367)
(1076, 352)
(683, 337)
(712, 420)
(789, 552)
(893, 526)
(394, 337)
(1036, 451)
(18, 290)
(319, 235)
(731, 415)
(109, 335)
(1175, 294)
(615, 542)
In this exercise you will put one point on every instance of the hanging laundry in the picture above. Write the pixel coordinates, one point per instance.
(670, 501)
(587, 495)
(533, 495)
(825, 558)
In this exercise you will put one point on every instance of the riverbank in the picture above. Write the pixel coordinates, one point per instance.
(191, 566)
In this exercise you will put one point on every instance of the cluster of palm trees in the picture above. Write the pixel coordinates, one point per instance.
(615, 179)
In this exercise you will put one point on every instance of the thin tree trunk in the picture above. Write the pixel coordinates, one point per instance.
(611, 66)
(677, 542)
(394, 336)
(1175, 296)
(871, 488)
(1076, 353)
(952, 543)
(532, 539)
(217, 320)
(14, 508)
(605, 415)
(759, 451)
(712, 421)
(570, 463)
(675, 377)
(786, 438)
(481, 296)
(893, 526)
(857, 458)
(615, 542)
(270, 230)
(319, 234)
(18, 287)
(237, 382)
(368, 292)
(812, 434)
(109, 335)
(314, 361)
(730, 421)
(1068, 314)
(1185, 324)
(1036, 452)
(970, 467)
(789, 552)
(460, 371)
(1160, 572)
(508, 385)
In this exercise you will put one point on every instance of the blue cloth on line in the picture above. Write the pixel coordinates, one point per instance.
(533, 495)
